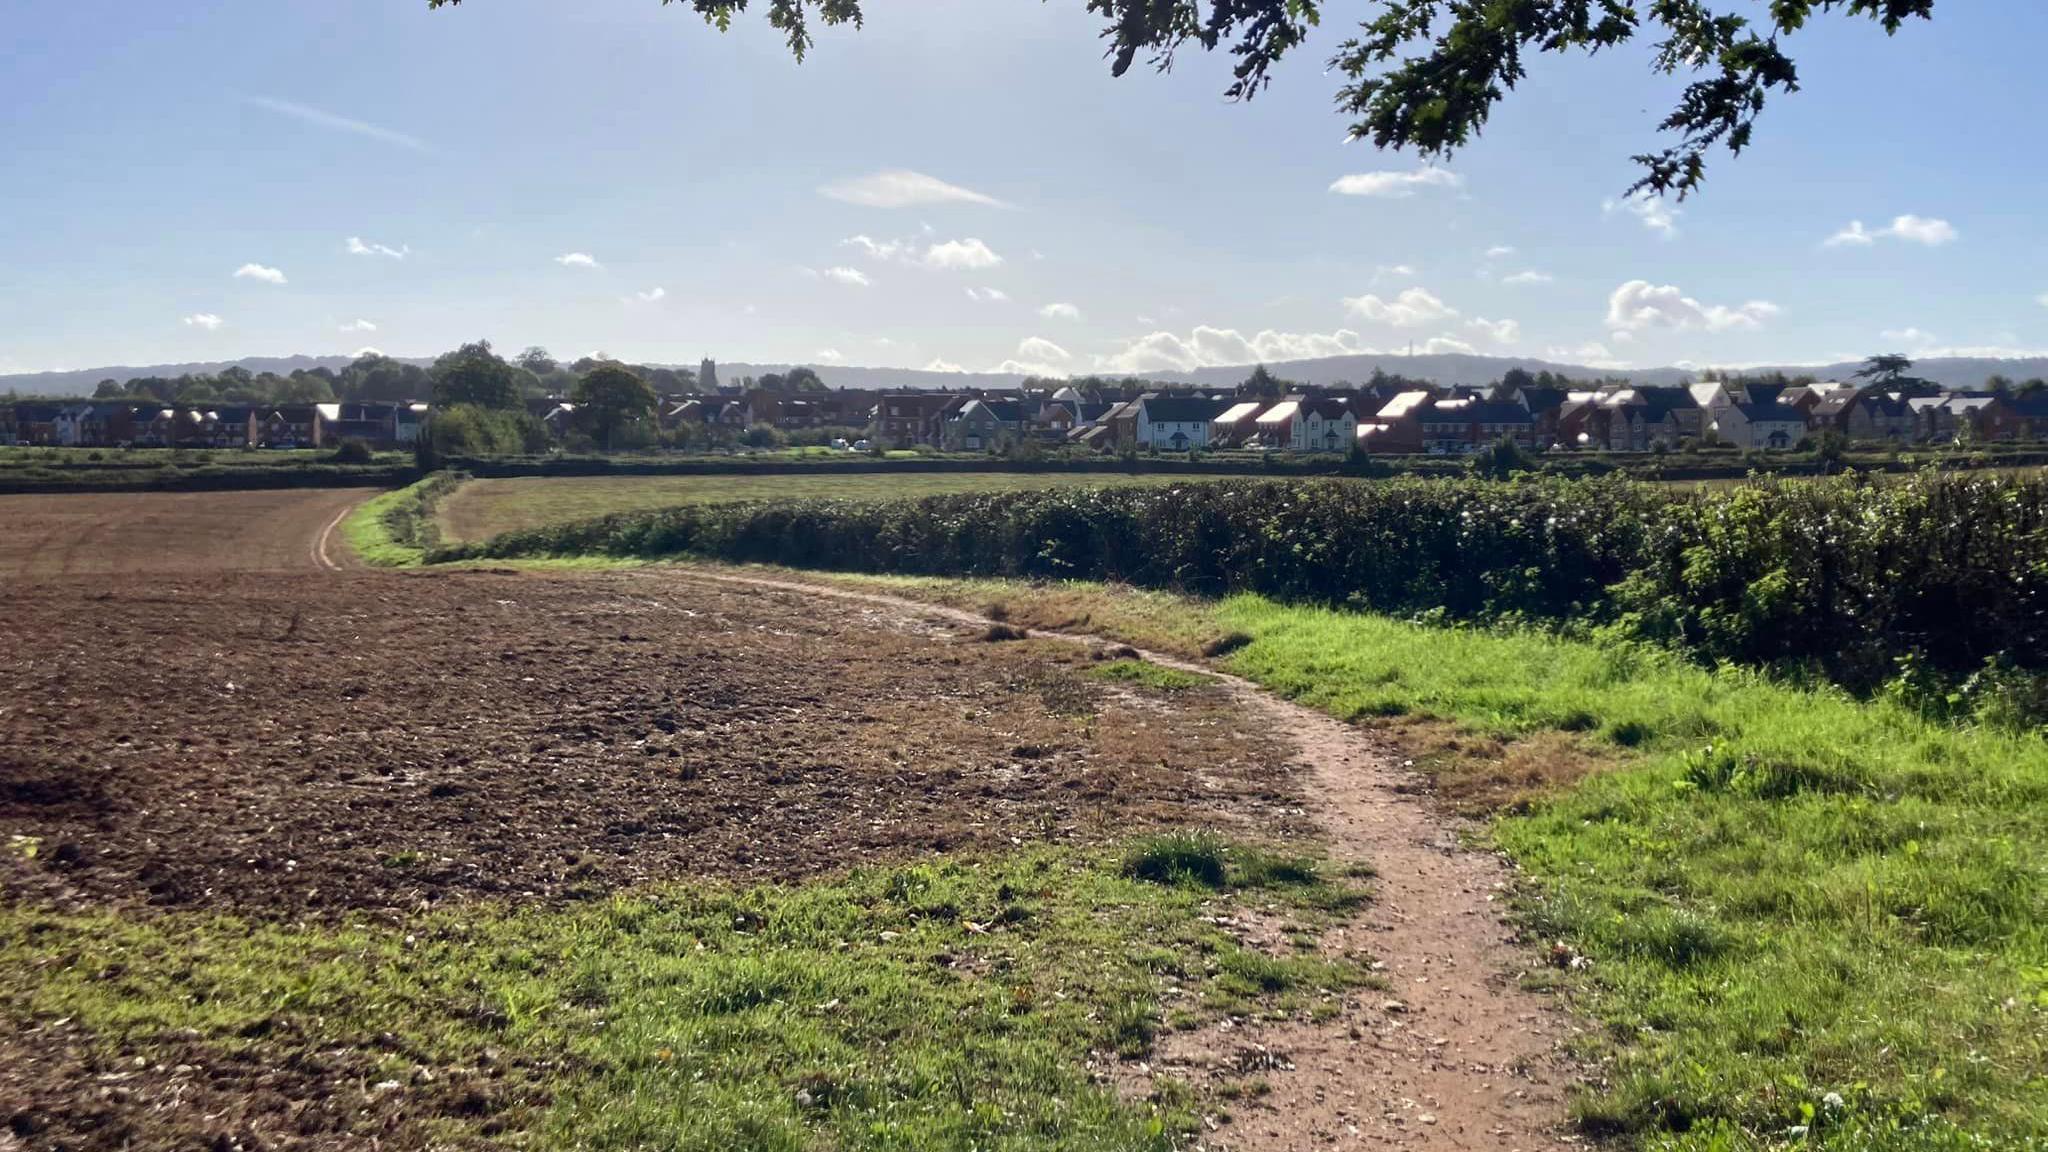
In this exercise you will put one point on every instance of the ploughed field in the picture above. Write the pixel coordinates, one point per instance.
(287, 853)
(481, 509)
(169, 532)
(370, 740)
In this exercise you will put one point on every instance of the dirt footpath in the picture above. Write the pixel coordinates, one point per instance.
(1454, 1054)
(285, 743)
(172, 532)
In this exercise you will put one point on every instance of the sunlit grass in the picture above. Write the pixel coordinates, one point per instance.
(948, 1004)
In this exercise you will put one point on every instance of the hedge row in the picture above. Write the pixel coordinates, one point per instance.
(1939, 572)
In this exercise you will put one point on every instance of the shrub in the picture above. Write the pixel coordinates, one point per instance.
(352, 451)
(1837, 577)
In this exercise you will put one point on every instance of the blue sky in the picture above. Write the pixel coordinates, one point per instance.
(166, 166)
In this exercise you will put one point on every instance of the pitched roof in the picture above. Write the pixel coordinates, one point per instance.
(1243, 410)
(1771, 412)
(1280, 413)
(1181, 409)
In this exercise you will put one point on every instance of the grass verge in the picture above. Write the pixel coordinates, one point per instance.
(950, 1004)
(1801, 918)
(398, 528)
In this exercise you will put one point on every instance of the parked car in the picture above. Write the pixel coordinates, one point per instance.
(861, 446)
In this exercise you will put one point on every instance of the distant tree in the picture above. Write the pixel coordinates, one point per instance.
(537, 361)
(302, 389)
(473, 374)
(2033, 386)
(109, 390)
(1501, 460)
(198, 390)
(801, 379)
(1263, 384)
(608, 398)
(1516, 380)
(376, 377)
(773, 382)
(1998, 382)
(1884, 370)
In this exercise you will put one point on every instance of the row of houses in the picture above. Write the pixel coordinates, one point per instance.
(118, 424)
(1616, 418)
(1378, 419)
(1391, 419)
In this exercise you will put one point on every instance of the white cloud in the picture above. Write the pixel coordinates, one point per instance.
(1217, 347)
(1499, 331)
(852, 277)
(946, 255)
(1444, 345)
(206, 320)
(1413, 308)
(1039, 348)
(1591, 354)
(879, 249)
(900, 188)
(1396, 185)
(1638, 305)
(1498, 251)
(338, 123)
(259, 272)
(1651, 209)
(965, 254)
(357, 246)
(939, 365)
(1853, 234)
(831, 355)
(988, 295)
(1908, 337)
(1060, 311)
(2042, 299)
(1402, 270)
(577, 260)
(1922, 230)
(1925, 230)
(651, 295)
(359, 326)
(1531, 276)
(366, 350)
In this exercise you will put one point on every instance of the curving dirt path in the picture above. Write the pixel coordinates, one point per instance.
(1454, 1054)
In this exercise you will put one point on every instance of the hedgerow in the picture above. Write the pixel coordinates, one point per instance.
(1940, 577)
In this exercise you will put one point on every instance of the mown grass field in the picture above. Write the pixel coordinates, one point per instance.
(1801, 919)
(481, 509)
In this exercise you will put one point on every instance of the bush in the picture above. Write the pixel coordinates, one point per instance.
(352, 452)
(1836, 577)
(469, 430)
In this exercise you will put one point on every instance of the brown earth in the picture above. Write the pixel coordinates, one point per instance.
(1454, 1054)
(167, 533)
(290, 743)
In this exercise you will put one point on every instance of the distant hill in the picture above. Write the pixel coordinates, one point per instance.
(1953, 372)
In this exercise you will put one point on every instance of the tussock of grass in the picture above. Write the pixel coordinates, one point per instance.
(1150, 675)
(944, 1005)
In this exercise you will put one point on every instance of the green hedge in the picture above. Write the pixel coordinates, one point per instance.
(1941, 574)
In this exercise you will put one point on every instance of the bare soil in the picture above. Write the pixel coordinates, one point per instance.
(170, 533)
(291, 744)
(1454, 1053)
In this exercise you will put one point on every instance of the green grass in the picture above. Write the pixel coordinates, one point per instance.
(395, 529)
(1783, 893)
(944, 1005)
(1150, 675)
(481, 509)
